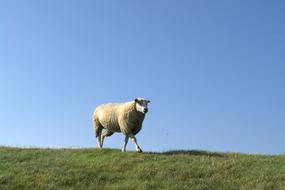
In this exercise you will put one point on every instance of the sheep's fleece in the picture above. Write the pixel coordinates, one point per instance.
(120, 117)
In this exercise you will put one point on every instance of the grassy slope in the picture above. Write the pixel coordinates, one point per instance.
(111, 169)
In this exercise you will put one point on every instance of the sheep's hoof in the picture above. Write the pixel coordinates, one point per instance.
(139, 151)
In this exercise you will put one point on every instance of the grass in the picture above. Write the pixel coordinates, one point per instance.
(36, 168)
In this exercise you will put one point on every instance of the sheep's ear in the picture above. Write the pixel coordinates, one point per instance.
(148, 101)
(136, 100)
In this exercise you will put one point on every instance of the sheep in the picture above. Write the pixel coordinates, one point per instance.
(126, 118)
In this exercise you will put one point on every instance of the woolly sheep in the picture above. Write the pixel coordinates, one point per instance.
(126, 118)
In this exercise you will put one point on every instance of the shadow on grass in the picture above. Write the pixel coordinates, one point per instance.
(192, 152)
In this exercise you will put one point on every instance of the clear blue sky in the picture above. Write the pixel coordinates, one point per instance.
(214, 70)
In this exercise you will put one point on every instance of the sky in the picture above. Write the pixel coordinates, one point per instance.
(214, 71)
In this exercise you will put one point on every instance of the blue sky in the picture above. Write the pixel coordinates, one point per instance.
(213, 70)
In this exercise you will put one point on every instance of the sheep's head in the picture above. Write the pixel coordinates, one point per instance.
(141, 105)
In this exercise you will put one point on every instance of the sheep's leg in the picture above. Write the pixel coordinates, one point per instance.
(138, 149)
(102, 139)
(99, 141)
(98, 134)
(98, 130)
(106, 133)
(125, 143)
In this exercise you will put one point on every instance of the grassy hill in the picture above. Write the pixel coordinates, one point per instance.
(111, 169)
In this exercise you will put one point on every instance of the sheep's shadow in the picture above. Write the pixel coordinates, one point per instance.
(193, 152)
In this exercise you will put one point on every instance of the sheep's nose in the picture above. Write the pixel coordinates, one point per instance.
(145, 110)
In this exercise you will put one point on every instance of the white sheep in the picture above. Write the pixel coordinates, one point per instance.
(120, 117)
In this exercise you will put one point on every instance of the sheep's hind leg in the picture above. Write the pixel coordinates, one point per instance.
(99, 141)
(106, 133)
(138, 149)
(98, 130)
(125, 143)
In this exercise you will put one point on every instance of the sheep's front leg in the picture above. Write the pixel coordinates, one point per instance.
(125, 143)
(138, 149)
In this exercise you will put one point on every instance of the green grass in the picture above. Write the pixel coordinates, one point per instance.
(36, 168)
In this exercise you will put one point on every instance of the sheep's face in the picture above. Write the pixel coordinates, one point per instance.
(141, 105)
